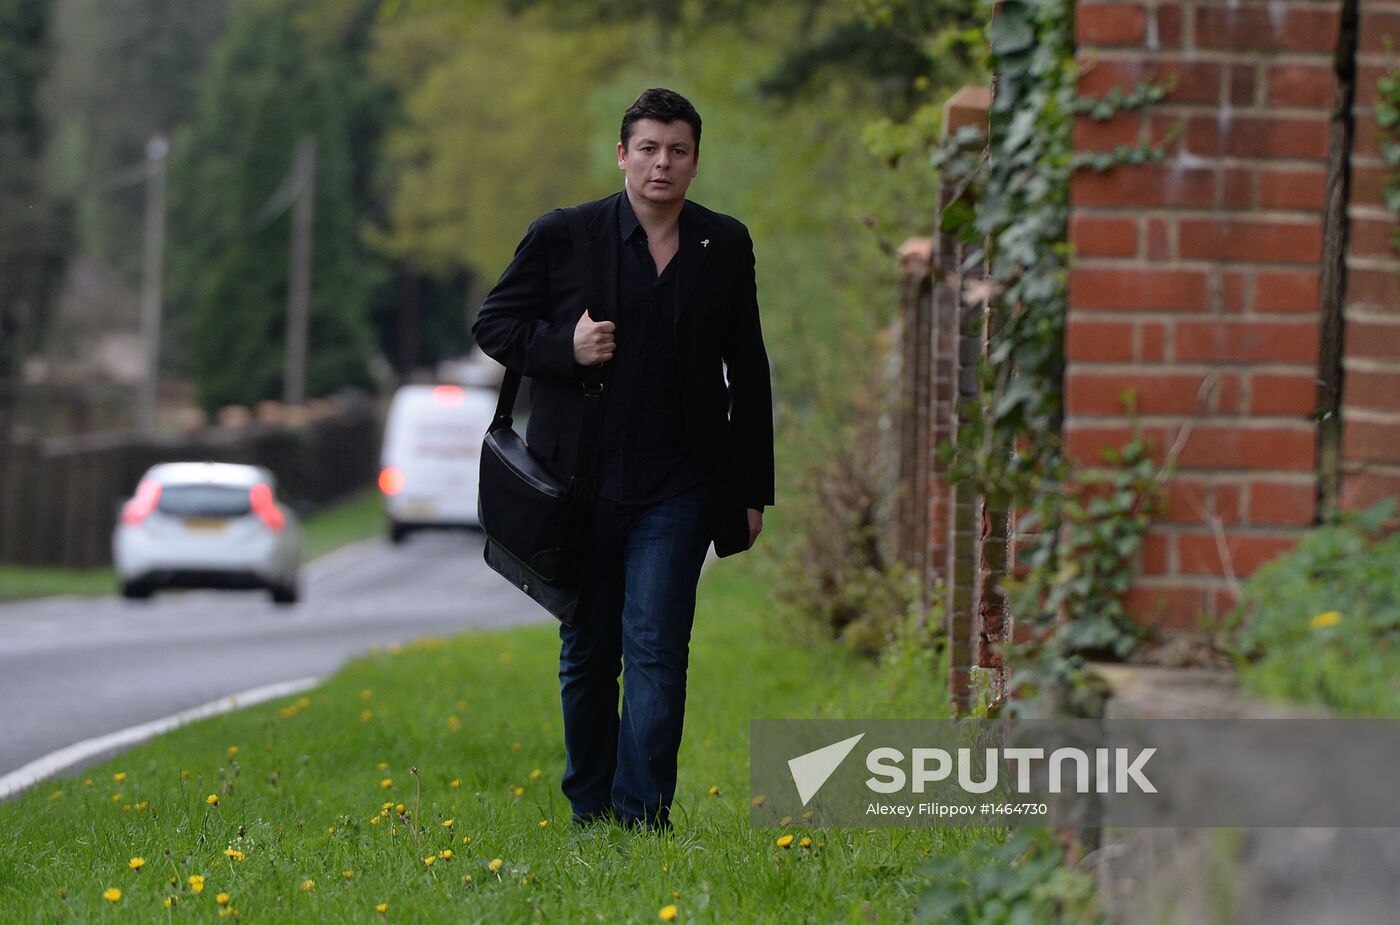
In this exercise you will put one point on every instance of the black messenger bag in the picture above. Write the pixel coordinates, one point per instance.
(535, 523)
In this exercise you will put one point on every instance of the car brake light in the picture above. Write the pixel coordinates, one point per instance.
(447, 395)
(391, 480)
(142, 503)
(266, 509)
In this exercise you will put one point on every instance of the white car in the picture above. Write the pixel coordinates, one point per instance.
(430, 462)
(207, 525)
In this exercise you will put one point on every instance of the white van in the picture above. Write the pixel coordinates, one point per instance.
(429, 465)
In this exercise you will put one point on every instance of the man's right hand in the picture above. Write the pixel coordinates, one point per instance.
(593, 341)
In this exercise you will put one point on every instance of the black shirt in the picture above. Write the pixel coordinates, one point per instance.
(644, 454)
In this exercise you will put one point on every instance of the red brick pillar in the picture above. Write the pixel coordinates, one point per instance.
(1371, 358)
(1196, 282)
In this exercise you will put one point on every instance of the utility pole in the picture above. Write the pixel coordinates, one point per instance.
(299, 288)
(156, 150)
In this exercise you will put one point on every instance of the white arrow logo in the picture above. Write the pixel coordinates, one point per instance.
(811, 770)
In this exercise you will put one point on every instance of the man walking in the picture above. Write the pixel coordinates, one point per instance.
(685, 452)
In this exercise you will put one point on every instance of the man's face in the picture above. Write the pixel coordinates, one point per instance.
(660, 160)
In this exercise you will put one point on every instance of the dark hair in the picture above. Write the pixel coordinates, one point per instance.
(664, 106)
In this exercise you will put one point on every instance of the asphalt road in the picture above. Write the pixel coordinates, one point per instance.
(74, 668)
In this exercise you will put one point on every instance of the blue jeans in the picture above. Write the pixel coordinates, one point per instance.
(636, 608)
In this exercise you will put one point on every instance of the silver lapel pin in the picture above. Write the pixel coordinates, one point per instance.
(705, 243)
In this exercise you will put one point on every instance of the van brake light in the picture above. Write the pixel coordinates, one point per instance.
(448, 395)
(391, 480)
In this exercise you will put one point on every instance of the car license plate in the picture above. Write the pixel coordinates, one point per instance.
(210, 524)
(419, 509)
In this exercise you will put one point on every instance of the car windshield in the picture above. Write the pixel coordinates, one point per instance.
(204, 501)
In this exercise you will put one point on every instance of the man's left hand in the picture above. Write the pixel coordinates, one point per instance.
(755, 525)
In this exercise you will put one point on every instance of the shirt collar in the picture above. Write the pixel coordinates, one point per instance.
(627, 222)
(626, 218)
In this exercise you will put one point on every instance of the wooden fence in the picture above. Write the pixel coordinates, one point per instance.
(59, 497)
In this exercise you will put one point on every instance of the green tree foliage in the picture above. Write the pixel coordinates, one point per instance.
(229, 251)
(31, 228)
(497, 129)
(123, 70)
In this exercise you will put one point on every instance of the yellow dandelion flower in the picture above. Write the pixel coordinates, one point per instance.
(448, 823)
(116, 798)
(430, 860)
(515, 746)
(386, 783)
(445, 854)
(393, 832)
(786, 820)
(136, 863)
(366, 715)
(457, 782)
(330, 830)
(758, 800)
(62, 893)
(675, 894)
(142, 805)
(466, 839)
(184, 775)
(87, 782)
(374, 820)
(212, 799)
(544, 823)
(1326, 618)
(785, 841)
(112, 894)
(169, 901)
(233, 751)
(119, 776)
(400, 808)
(536, 774)
(308, 885)
(809, 814)
(466, 878)
(222, 899)
(233, 854)
(56, 795)
(806, 842)
(382, 908)
(348, 874)
(714, 791)
(453, 724)
(518, 791)
(668, 913)
(196, 882)
(495, 865)
(462, 706)
(366, 694)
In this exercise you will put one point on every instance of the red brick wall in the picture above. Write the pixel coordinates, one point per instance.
(1371, 361)
(1196, 281)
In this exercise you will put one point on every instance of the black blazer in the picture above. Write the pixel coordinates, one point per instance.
(527, 323)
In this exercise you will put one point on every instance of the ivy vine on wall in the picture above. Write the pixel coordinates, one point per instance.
(1081, 529)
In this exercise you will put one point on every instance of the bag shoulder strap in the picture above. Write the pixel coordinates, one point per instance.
(593, 381)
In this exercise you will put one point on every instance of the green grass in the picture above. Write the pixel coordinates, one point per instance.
(22, 582)
(355, 518)
(482, 709)
(1321, 624)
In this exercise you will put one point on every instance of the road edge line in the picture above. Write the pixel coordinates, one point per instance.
(58, 761)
